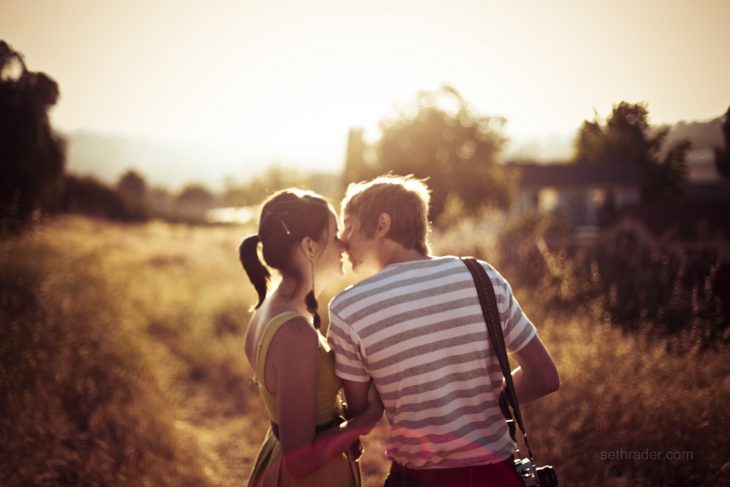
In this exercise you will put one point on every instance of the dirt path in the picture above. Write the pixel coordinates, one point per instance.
(230, 441)
(226, 440)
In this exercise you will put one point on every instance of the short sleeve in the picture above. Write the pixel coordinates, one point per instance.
(517, 328)
(349, 364)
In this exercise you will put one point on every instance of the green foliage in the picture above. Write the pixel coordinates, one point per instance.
(676, 295)
(133, 190)
(197, 195)
(441, 138)
(133, 184)
(722, 155)
(665, 180)
(88, 196)
(33, 157)
(627, 138)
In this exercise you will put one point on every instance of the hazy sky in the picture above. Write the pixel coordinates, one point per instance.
(283, 80)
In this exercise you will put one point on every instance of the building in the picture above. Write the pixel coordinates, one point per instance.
(583, 194)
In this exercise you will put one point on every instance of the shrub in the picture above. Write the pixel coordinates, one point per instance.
(79, 403)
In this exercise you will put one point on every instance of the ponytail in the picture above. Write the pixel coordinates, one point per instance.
(257, 273)
(312, 305)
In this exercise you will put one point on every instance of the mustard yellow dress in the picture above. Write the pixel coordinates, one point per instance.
(268, 469)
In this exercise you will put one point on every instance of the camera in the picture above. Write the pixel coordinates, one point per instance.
(535, 476)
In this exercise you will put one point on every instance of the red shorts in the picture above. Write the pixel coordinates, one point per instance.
(500, 474)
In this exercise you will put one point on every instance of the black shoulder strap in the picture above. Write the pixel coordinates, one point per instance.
(488, 302)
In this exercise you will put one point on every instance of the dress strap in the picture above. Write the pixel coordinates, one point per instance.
(263, 347)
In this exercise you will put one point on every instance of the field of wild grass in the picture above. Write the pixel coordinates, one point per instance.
(121, 363)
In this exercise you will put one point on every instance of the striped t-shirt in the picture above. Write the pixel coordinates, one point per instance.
(416, 328)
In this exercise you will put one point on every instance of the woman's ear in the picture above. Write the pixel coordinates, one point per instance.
(309, 248)
(383, 227)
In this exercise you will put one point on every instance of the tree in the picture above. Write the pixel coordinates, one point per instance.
(32, 156)
(627, 138)
(722, 155)
(196, 195)
(88, 196)
(133, 190)
(441, 138)
(356, 167)
(133, 184)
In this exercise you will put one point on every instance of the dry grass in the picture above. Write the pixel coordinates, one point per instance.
(122, 364)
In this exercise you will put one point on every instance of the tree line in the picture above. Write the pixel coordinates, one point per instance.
(439, 137)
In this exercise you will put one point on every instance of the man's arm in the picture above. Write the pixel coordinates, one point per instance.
(537, 374)
(349, 364)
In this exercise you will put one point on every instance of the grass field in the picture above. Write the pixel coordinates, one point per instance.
(122, 364)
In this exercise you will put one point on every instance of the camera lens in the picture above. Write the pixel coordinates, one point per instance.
(546, 476)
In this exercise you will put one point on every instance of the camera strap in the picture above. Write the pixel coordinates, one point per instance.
(488, 302)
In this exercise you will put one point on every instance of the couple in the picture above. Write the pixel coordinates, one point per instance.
(409, 340)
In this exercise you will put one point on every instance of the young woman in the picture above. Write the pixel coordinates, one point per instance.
(307, 444)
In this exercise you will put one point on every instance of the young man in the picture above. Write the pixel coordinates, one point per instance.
(416, 329)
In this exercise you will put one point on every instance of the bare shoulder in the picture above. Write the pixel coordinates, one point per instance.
(297, 327)
(294, 337)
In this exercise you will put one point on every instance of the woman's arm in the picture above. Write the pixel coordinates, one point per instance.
(294, 351)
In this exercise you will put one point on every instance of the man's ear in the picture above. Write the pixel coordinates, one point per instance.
(383, 226)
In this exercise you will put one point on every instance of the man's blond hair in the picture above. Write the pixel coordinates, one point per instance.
(404, 198)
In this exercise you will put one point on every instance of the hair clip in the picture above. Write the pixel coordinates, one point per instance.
(286, 229)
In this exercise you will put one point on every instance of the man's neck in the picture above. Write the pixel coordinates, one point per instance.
(398, 254)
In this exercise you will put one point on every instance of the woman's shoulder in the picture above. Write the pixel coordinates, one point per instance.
(295, 325)
(274, 325)
(291, 329)
(294, 343)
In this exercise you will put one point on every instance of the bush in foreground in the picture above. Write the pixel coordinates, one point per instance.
(78, 402)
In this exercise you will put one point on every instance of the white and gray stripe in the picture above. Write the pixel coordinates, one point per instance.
(416, 329)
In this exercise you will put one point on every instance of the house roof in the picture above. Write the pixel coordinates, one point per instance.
(567, 174)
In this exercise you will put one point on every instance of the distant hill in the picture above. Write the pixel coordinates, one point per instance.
(166, 163)
(704, 135)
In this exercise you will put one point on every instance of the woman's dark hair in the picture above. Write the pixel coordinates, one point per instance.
(286, 218)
